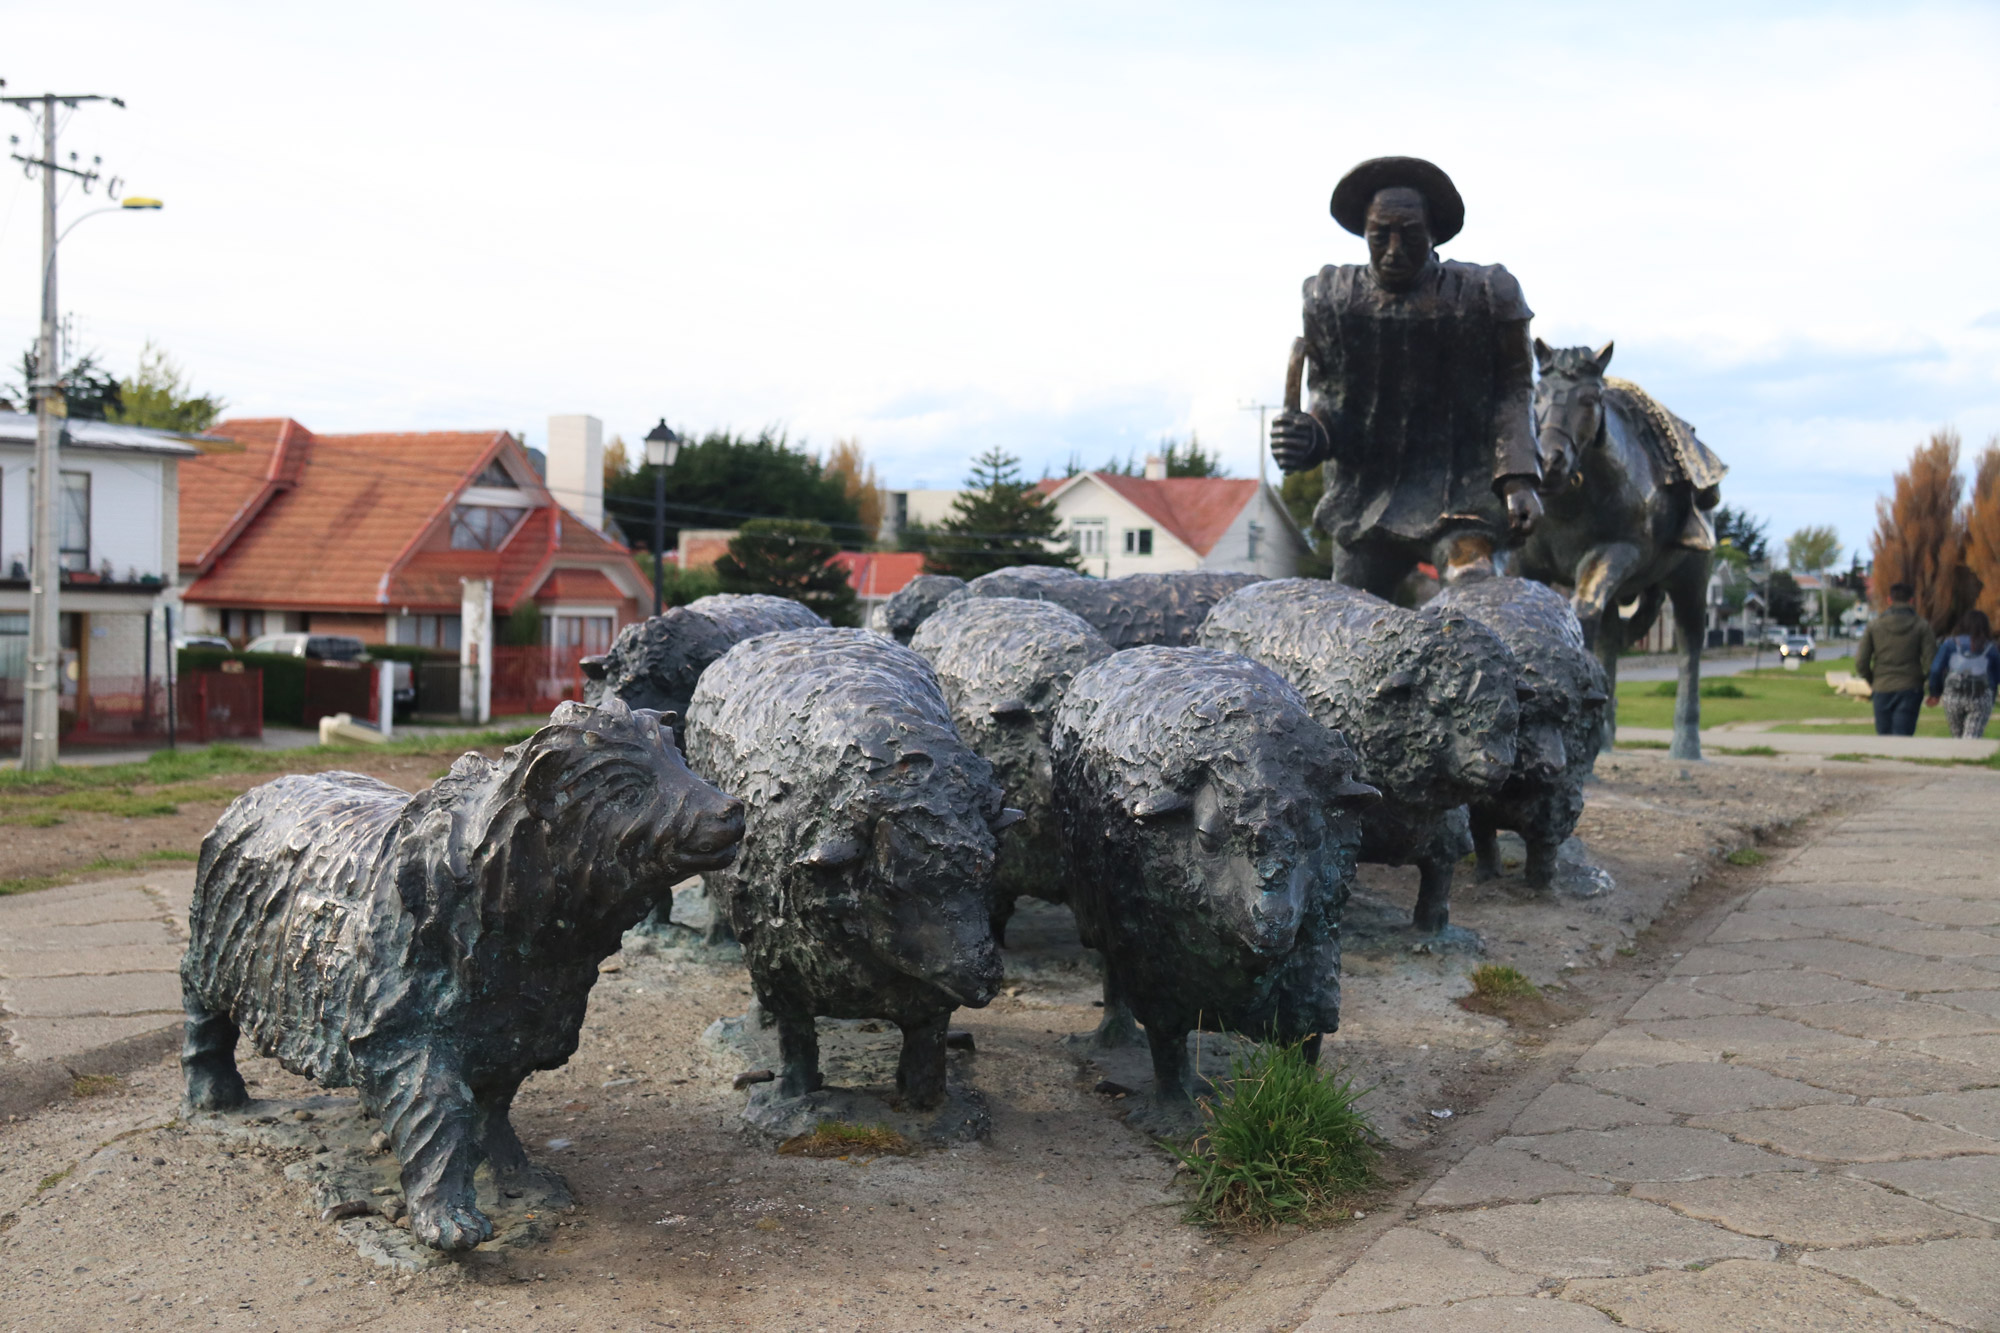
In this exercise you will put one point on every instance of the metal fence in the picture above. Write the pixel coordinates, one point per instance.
(219, 706)
(535, 680)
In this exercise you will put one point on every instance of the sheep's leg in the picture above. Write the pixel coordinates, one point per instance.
(504, 1152)
(1486, 845)
(1172, 1078)
(1309, 1048)
(1117, 1028)
(1433, 912)
(920, 1071)
(1541, 869)
(1003, 910)
(798, 1050)
(208, 1059)
(433, 1124)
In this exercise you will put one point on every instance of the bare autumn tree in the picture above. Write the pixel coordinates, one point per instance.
(857, 477)
(1920, 534)
(1982, 529)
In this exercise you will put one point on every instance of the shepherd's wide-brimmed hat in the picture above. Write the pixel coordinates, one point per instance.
(1358, 188)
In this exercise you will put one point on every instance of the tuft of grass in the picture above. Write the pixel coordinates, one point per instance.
(1850, 758)
(1284, 1143)
(53, 1179)
(92, 1085)
(1748, 751)
(1746, 856)
(1641, 745)
(832, 1138)
(1497, 981)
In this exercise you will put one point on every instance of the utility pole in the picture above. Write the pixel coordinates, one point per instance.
(41, 720)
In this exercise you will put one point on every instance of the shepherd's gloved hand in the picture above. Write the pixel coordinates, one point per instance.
(1297, 441)
(1524, 507)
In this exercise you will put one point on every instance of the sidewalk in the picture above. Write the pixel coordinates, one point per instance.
(85, 966)
(1798, 1128)
(1748, 734)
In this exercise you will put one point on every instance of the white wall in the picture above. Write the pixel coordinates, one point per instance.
(1279, 548)
(133, 509)
(1088, 499)
(576, 466)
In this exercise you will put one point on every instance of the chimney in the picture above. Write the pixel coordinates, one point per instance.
(1156, 468)
(576, 466)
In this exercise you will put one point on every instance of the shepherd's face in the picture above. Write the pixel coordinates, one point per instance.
(1399, 237)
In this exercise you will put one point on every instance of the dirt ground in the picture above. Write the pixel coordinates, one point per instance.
(112, 1215)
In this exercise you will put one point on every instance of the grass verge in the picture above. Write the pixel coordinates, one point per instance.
(1284, 1143)
(30, 883)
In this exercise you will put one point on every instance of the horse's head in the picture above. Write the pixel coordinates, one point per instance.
(1569, 409)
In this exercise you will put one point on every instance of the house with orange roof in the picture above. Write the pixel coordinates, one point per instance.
(1155, 524)
(399, 538)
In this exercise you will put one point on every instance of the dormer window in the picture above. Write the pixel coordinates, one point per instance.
(482, 527)
(495, 475)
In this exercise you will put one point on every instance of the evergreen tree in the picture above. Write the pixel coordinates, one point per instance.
(722, 479)
(788, 557)
(1744, 532)
(89, 392)
(1000, 520)
(158, 395)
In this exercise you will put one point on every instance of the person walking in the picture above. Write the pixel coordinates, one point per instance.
(1965, 675)
(1892, 657)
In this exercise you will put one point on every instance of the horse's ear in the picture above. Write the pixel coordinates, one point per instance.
(1602, 357)
(1544, 354)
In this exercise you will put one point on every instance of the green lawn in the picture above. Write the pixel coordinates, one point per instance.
(1770, 695)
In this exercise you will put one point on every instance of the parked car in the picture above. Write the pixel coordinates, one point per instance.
(318, 647)
(204, 641)
(1796, 645)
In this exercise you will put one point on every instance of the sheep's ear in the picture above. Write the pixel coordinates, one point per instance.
(666, 719)
(596, 668)
(1524, 692)
(570, 713)
(1544, 354)
(1162, 804)
(1353, 793)
(1595, 697)
(832, 852)
(1394, 684)
(1011, 708)
(1602, 357)
(1007, 818)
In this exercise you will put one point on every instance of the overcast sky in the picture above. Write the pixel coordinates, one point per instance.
(1059, 228)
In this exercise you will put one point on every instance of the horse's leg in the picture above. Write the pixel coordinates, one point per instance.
(1688, 588)
(1371, 568)
(1599, 575)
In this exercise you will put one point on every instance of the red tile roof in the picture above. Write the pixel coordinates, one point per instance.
(224, 489)
(880, 573)
(577, 586)
(1197, 510)
(359, 521)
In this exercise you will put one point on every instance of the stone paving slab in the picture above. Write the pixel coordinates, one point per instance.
(1848, 1134)
(1682, 999)
(1790, 986)
(1950, 912)
(1954, 1280)
(79, 905)
(1651, 1152)
(1412, 1267)
(1584, 1236)
(1713, 960)
(1507, 1314)
(1985, 1002)
(86, 965)
(1875, 967)
(1628, 1048)
(1748, 1034)
(1982, 1053)
(1743, 1296)
(104, 958)
(1967, 944)
(67, 1038)
(1574, 1106)
(1891, 1020)
(1976, 1112)
(93, 996)
(1710, 1089)
(1492, 1174)
(1969, 1185)
(1877, 1071)
(1815, 1211)
(104, 935)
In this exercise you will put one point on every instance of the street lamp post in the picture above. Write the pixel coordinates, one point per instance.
(662, 448)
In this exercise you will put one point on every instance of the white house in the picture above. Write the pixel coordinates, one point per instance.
(1156, 524)
(117, 543)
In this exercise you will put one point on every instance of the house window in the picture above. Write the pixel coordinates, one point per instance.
(73, 535)
(1086, 535)
(1256, 537)
(579, 634)
(1138, 541)
(241, 626)
(495, 475)
(427, 631)
(482, 527)
(13, 649)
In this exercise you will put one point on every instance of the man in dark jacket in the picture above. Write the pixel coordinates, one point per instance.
(1894, 656)
(1421, 382)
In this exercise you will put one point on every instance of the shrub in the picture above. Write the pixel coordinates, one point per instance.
(1283, 1143)
(1710, 689)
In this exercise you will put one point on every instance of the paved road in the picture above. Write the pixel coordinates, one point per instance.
(1798, 1128)
(1666, 666)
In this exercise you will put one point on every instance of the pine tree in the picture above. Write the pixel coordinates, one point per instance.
(1000, 520)
(789, 557)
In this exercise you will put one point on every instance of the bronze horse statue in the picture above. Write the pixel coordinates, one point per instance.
(1626, 492)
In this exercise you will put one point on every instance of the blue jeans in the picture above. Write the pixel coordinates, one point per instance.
(1896, 712)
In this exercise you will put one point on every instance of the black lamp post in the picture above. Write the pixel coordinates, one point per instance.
(662, 448)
